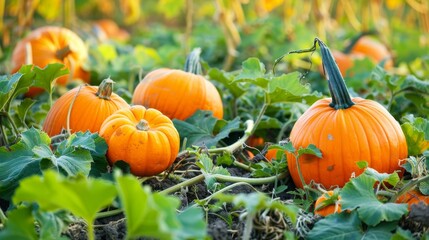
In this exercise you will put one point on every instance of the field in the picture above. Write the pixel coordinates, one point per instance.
(219, 119)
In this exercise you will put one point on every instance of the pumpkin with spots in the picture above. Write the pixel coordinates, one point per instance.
(346, 130)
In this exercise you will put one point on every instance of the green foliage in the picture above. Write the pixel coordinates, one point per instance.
(20, 225)
(33, 154)
(200, 128)
(416, 130)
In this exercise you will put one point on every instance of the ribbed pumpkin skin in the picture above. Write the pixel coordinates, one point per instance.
(88, 112)
(364, 132)
(45, 43)
(148, 152)
(178, 94)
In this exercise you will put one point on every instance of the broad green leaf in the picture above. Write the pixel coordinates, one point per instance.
(26, 80)
(227, 79)
(392, 178)
(198, 129)
(20, 225)
(416, 132)
(359, 194)
(7, 88)
(253, 71)
(288, 88)
(45, 76)
(23, 108)
(32, 154)
(381, 231)
(192, 229)
(336, 227)
(81, 196)
(311, 149)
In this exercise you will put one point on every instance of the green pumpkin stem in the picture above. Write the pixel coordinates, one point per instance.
(105, 89)
(337, 87)
(192, 63)
(143, 125)
(63, 52)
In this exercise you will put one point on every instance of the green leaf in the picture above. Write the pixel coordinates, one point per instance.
(288, 88)
(198, 129)
(227, 79)
(192, 229)
(416, 132)
(45, 76)
(311, 149)
(359, 193)
(7, 88)
(337, 226)
(402, 234)
(23, 108)
(153, 214)
(50, 225)
(20, 225)
(82, 196)
(32, 154)
(253, 71)
(392, 178)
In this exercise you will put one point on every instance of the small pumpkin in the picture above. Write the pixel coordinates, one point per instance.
(327, 203)
(346, 130)
(88, 106)
(413, 197)
(178, 94)
(51, 44)
(144, 138)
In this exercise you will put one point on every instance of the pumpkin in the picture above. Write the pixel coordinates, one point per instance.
(89, 106)
(144, 138)
(413, 197)
(327, 203)
(346, 130)
(362, 47)
(109, 29)
(51, 44)
(178, 94)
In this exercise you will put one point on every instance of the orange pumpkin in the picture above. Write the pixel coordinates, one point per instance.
(413, 197)
(363, 47)
(327, 203)
(111, 30)
(89, 106)
(346, 130)
(51, 44)
(144, 138)
(178, 94)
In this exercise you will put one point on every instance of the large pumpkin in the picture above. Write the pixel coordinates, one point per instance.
(52, 44)
(178, 94)
(346, 130)
(88, 107)
(144, 138)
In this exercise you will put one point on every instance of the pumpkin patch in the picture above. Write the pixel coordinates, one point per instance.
(220, 122)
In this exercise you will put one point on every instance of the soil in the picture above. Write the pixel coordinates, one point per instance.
(217, 228)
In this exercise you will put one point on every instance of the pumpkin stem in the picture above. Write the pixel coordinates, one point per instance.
(63, 52)
(105, 89)
(143, 125)
(337, 87)
(192, 63)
